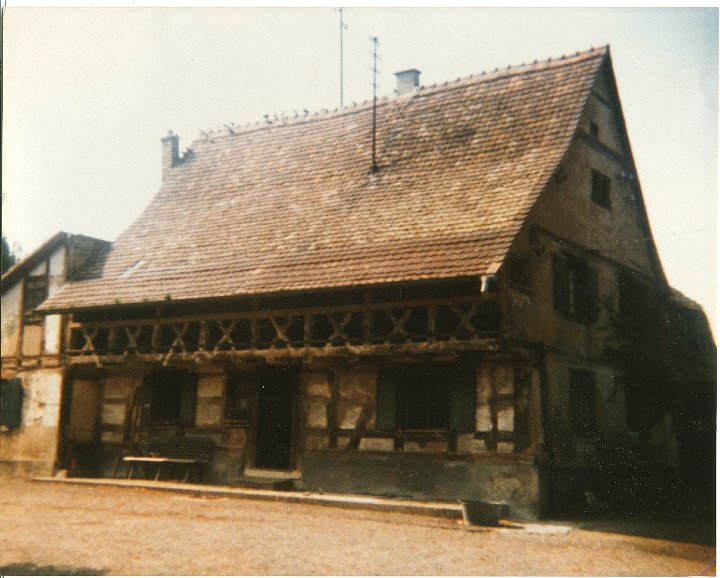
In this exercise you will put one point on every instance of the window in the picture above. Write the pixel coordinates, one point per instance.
(633, 403)
(594, 129)
(575, 287)
(35, 292)
(169, 397)
(600, 194)
(518, 273)
(426, 397)
(582, 401)
(633, 294)
(237, 402)
(11, 399)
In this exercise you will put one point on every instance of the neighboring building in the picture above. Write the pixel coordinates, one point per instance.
(32, 360)
(454, 324)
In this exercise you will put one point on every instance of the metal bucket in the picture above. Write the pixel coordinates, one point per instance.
(478, 513)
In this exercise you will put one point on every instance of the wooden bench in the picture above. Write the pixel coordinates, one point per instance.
(192, 452)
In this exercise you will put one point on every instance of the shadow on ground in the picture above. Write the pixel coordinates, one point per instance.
(33, 570)
(690, 530)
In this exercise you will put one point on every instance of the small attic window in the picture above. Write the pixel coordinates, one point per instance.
(594, 129)
(600, 193)
(35, 292)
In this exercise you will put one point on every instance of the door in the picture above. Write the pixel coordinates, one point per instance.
(81, 405)
(273, 432)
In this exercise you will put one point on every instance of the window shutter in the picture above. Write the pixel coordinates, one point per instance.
(11, 398)
(462, 403)
(188, 401)
(593, 294)
(386, 402)
(561, 283)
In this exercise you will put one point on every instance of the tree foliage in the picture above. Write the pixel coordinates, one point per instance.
(8, 257)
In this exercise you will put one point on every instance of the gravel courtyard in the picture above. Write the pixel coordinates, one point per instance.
(146, 532)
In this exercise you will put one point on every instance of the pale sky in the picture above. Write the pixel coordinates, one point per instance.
(88, 93)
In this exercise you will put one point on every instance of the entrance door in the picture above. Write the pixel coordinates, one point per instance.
(80, 426)
(273, 434)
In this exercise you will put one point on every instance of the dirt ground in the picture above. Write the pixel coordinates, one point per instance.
(106, 530)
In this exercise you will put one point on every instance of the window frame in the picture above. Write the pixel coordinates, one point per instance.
(186, 392)
(235, 381)
(396, 384)
(575, 288)
(583, 402)
(600, 189)
(33, 285)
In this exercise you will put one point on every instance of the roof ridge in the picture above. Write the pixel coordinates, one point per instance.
(284, 119)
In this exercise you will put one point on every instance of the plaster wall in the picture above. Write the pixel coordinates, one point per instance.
(567, 220)
(31, 449)
(10, 315)
(56, 279)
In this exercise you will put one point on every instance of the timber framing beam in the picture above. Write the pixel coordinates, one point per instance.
(413, 327)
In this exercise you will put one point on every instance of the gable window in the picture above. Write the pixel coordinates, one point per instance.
(600, 193)
(438, 397)
(574, 287)
(582, 401)
(34, 293)
(169, 398)
(594, 129)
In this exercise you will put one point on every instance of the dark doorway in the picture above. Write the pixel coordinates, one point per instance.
(275, 394)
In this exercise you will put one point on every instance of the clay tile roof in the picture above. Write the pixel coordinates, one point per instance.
(292, 205)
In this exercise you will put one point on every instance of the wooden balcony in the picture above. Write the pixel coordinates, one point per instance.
(459, 323)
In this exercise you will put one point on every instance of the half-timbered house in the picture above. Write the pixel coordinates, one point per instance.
(444, 324)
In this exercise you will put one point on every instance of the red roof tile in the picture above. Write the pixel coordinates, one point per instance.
(292, 205)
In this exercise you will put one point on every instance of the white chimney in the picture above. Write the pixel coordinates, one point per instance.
(407, 80)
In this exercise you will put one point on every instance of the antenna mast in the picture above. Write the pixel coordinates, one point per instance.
(374, 167)
(342, 26)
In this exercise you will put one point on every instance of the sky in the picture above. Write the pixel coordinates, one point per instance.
(88, 93)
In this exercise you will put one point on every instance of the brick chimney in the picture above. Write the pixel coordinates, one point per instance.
(407, 80)
(170, 152)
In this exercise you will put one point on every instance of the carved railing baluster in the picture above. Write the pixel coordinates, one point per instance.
(432, 324)
(338, 328)
(202, 335)
(254, 333)
(281, 330)
(112, 340)
(179, 342)
(155, 338)
(89, 333)
(307, 330)
(226, 337)
(465, 321)
(398, 324)
(132, 332)
(367, 326)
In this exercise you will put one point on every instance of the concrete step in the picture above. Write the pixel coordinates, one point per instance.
(262, 483)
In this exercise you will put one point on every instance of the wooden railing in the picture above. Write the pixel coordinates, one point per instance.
(354, 326)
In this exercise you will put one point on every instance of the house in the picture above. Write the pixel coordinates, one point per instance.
(32, 352)
(454, 320)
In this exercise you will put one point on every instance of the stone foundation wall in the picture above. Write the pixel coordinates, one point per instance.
(425, 477)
